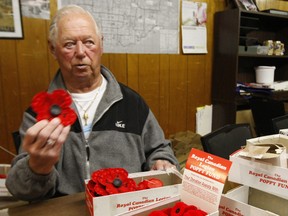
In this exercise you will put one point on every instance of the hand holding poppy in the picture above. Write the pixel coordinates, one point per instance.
(43, 141)
(43, 156)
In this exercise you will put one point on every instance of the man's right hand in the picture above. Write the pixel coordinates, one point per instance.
(43, 142)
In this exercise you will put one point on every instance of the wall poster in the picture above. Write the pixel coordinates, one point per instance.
(10, 19)
(194, 32)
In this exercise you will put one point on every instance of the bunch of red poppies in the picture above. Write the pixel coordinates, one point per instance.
(179, 209)
(115, 180)
(52, 105)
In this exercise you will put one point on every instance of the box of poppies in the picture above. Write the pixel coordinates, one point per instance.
(264, 170)
(245, 200)
(113, 191)
(4, 168)
(169, 207)
(201, 189)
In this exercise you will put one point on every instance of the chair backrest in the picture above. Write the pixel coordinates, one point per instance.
(263, 111)
(226, 140)
(17, 140)
(279, 123)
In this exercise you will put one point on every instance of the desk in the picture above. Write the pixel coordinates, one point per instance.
(70, 205)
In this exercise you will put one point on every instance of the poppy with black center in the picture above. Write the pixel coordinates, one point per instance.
(51, 105)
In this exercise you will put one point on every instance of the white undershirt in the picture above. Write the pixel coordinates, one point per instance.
(85, 99)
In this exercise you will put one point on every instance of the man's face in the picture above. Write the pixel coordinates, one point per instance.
(78, 48)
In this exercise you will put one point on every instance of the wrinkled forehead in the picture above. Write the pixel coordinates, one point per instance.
(77, 24)
(76, 20)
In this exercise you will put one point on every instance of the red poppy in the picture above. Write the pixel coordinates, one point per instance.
(115, 180)
(167, 211)
(180, 209)
(91, 185)
(115, 176)
(142, 185)
(190, 207)
(149, 183)
(158, 213)
(154, 183)
(55, 104)
(112, 181)
(194, 212)
(100, 190)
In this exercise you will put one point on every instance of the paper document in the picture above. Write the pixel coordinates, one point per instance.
(194, 32)
(204, 120)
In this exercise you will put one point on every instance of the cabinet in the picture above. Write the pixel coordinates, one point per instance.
(236, 28)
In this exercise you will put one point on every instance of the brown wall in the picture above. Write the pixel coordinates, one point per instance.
(173, 85)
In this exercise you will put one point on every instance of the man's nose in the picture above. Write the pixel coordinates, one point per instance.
(80, 49)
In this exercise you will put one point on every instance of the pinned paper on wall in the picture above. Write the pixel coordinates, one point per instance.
(204, 120)
(194, 32)
(35, 9)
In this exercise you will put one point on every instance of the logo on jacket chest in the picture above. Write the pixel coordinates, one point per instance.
(120, 124)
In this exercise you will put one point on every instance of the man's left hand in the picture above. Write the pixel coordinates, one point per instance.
(162, 165)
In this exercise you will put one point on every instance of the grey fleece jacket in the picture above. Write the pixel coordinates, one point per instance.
(125, 134)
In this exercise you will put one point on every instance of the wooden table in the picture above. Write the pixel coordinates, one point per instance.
(62, 206)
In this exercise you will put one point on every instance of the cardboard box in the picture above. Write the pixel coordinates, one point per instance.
(4, 168)
(249, 201)
(146, 210)
(274, 154)
(283, 132)
(202, 184)
(273, 139)
(259, 174)
(125, 202)
(168, 203)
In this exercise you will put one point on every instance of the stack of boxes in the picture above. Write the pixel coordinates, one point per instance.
(264, 180)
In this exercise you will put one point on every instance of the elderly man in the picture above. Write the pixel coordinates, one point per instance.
(115, 127)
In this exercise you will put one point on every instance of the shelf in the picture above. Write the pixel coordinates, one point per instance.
(233, 30)
(263, 56)
(257, 14)
(250, 18)
(248, 28)
(242, 102)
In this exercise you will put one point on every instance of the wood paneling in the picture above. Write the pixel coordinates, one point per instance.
(10, 109)
(177, 93)
(268, 4)
(172, 85)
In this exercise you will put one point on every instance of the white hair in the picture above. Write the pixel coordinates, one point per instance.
(67, 10)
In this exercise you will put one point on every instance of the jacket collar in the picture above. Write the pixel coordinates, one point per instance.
(111, 95)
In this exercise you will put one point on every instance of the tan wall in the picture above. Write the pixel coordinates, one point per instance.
(173, 85)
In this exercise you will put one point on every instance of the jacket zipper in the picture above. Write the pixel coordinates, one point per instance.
(87, 160)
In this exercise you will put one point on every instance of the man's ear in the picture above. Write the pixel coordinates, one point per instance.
(52, 48)
(101, 41)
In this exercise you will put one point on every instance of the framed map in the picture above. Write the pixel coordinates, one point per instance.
(10, 19)
(135, 26)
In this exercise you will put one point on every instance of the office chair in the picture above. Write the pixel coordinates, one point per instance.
(226, 140)
(263, 111)
(279, 123)
(17, 140)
